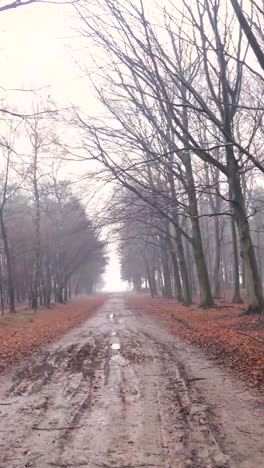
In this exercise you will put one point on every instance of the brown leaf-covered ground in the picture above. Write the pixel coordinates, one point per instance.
(26, 331)
(216, 330)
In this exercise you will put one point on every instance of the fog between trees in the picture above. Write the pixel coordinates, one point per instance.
(179, 132)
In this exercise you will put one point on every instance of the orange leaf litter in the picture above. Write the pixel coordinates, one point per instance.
(214, 330)
(22, 333)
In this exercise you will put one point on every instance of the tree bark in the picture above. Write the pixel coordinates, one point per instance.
(254, 286)
(1, 287)
(137, 283)
(237, 297)
(59, 294)
(10, 279)
(166, 271)
(36, 272)
(186, 286)
(177, 279)
(217, 259)
(151, 279)
(248, 32)
(65, 291)
(206, 298)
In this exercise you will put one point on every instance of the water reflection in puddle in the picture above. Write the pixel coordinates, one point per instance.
(118, 360)
(116, 346)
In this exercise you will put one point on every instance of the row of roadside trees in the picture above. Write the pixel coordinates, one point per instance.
(182, 88)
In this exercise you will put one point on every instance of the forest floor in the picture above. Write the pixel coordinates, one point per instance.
(233, 340)
(122, 391)
(25, 331)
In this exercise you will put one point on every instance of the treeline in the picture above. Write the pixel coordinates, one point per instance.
(50, 248)
(182, 87)
(154, 258)
(71, 256)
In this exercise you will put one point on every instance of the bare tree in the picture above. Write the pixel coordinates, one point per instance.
(256, 45)
(148, 80)
(7, 191)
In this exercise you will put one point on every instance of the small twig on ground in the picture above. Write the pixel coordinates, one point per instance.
(128, 466)
(242, 430)
(68, 465)
(36, 428)
(103, 465)
(196, 378)
(250, 336)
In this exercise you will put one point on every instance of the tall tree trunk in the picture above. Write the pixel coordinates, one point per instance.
(243, 274)
(40, 295)
(190, 266)
(151, 272)
(183, 291)
(36, 272)
(150, 283)
(1, 287)
(186, 287)
(237, 296)
(65, 291)
(69, 288)
(77, 288)
(166, 271)
(10, 279)
(48, 285)
(159, 279)
(177, 279)
(215, 206)
(137, 283)
(259, 255)
(217, 259)
(206, 298)
(59, 294)
(247, 28)
(254, 286)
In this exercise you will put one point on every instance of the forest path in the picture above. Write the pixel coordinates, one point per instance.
(119, 392)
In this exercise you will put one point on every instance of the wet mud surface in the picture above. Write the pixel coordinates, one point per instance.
(121, 392)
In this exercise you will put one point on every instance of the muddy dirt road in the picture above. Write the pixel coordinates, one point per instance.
(120, 391)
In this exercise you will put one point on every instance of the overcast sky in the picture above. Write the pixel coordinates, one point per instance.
(39, 48)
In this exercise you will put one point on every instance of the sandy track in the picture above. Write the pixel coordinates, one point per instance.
(120, 391)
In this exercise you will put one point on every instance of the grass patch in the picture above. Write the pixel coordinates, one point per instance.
(17, 318)
(25, 318)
